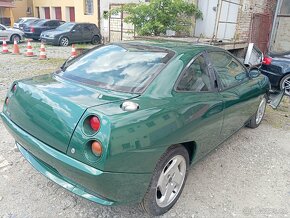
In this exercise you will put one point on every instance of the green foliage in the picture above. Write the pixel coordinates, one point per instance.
(156, 17)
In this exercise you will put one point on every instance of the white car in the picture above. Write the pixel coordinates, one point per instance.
(10, 34)
(21, 20)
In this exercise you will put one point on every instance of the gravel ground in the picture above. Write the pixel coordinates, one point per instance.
(247, 176)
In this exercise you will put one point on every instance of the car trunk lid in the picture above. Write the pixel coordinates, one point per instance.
(49, 108)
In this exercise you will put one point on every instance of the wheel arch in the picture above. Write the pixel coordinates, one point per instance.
(284, 75)
(15, 34)
(190, 147)
(64, 36)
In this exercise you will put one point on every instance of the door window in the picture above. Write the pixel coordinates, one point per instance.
(196, 77)
(78, 28)
(229, 71)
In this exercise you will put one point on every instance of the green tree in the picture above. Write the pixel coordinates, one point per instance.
(157, 16)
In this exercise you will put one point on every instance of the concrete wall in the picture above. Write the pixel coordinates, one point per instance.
(80, 15)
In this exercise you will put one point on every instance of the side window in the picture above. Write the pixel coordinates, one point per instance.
(87, 28)
(229, 70)
(2, 28)
(78, 28)
(196, 77)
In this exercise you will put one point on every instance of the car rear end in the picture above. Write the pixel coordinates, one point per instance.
(43, 119)
(63, 123)
(33, 30)
(273, 68)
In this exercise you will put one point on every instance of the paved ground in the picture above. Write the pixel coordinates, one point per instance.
(247, 176)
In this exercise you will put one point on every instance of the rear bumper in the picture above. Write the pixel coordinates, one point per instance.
(273, 77)
(31, 35)
(106, 188)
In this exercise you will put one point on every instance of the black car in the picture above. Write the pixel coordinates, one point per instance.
(34, 30)
(277, 68)
(69, 33)
(28, 23)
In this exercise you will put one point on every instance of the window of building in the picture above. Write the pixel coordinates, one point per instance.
(89, 6)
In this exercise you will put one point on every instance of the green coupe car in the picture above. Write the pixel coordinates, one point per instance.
(123, 122)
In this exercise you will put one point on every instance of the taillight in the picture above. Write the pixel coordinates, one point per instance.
(95, 123)
(7, 101)
(32, 29)
(267, 60)
(14, 88)
(97, 148)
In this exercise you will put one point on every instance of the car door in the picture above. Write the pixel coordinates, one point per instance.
(202, 106)
(3, 33)
(76, 33)
(87, 33)
(241, 95)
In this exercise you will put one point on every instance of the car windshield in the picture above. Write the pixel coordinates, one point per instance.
(65, 27)
(119, 67)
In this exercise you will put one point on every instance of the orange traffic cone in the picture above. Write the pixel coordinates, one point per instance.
(42, 55)
(29, 51)
(16, 50)
(5, 48)
(73, 51)
(41, 46)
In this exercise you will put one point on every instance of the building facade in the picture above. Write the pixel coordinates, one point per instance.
(23, 8)
(237, 21)
(281, 28)
(6, 14)
(68, 10)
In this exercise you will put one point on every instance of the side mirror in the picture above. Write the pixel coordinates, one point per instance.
(254, 73)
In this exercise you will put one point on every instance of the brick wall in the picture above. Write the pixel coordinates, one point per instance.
(246, 13)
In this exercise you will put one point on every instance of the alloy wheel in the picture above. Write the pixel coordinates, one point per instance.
(286, 85)
(64, 42)
(16, 38)
(170, 181)
(261, 111)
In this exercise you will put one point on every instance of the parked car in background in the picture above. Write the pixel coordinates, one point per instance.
(21, 20)
(69, 33)
(277, 68)
(123, 122)
(34, 30)
(10, 34)
(27, 23)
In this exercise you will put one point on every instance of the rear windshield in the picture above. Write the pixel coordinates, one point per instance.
(119, 67)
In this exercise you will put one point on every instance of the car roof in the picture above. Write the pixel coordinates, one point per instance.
(82, 23)
(176, 46)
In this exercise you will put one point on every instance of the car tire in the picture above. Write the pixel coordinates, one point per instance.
(96, 40)
(64, 41)
(256, 120)
(170, 175)
(15, 37)
(285, 82)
